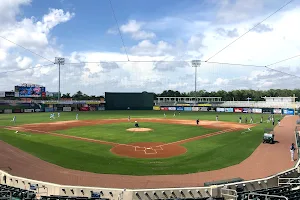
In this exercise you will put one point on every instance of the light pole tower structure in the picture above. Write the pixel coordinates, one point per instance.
(196, 64)
(59, 61)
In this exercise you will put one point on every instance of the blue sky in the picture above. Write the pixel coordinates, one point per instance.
(168, 30)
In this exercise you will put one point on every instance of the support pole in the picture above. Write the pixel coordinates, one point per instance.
(196, 64)
(59, 62)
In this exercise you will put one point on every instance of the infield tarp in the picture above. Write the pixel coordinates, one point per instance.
(133, 101)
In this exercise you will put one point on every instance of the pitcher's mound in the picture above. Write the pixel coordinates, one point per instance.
(139, 129)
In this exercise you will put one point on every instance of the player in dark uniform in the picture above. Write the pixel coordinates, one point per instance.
(197, 122)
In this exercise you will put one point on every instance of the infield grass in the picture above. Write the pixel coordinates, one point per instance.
(203, 155)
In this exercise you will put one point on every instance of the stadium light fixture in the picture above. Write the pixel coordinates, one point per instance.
(196, 64)
(59, 61)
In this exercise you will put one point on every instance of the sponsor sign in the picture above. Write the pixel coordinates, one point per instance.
(204, 105)
(220, 109)
(180, 108)
(92, 109)
(48, 109)
(17, 110)
(203, 109)
(172, 108)
(195, 108)
(288, 111)
(187, 108)
(277, 111)
(267, 110)
(2, 94)
(6, 111)
(246, 110)
(37, 110)
(67, 109)
(228, 109)
(9, 94)
(256, 110)
(183, 104)
(164, 108)
(84, 109)
(101, 108)
(28, 110)
(156, 107)
(238, 110)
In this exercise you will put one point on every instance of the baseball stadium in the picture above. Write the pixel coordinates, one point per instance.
(150, 126)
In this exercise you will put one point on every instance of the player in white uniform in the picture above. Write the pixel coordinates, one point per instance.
(251, 120)
(76, 116)
(14, 119)
(128, 118)
(174, 114)
(164, 115)
(58, 114)
(217, 118)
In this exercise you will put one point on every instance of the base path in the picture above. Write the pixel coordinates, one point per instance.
(266, 160)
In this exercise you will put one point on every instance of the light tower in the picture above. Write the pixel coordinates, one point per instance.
(59, 61)
(196, 64)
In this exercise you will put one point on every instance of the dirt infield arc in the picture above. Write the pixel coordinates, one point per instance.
(265, 161)
(135, 150)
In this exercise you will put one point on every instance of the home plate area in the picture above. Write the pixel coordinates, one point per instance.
(148, 150)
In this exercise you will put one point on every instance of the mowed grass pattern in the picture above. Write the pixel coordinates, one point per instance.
(117, 132)
(203, 155)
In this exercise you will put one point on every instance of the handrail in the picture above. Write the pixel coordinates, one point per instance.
(289, 182)
(266, 195)
(234, 195)
(7, 191)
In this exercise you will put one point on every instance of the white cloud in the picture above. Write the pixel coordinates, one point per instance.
(134, 28)
(274, 40)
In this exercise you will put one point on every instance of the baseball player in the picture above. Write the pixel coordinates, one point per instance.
(292, 150)
(251, 120)
(273, 121)
(246, 120)
(261, 119)
(58, 114)
(174, 114)
(136, 124)
(51, 116)
(14, 119)
(278, 122)
(217, 118)
(240, 119)
(128, 118)
(197, 122)
(269, 119)
(77, 116)
(179, 113)
(164, 115)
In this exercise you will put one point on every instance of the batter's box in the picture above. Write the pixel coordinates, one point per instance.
(150, 151)
(157, 148)
(139, 148)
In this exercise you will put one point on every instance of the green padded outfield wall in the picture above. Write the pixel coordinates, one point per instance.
(133, 101)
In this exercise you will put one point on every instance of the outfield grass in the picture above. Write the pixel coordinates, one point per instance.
(203, 155)
(117, 132)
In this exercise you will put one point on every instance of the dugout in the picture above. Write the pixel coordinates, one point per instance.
(133, 101)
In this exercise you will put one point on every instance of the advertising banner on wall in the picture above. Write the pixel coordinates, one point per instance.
(220, 110)
(180, 108)
(2, 94)
(6, 111)
(164, 108)
(28, 110)
(101, 108)
(187, 108)
(156, 107)
(247, 110)
(9, 94)
(277, 111)
(267, 110)
(37, 110)
(204, 105)
(84, 109)
(195, 108)
(203, 109)
(172, 108)
(256, 110)
(228, 109)
(49, 109)
(67, 109)
(17, 111)
(183, 104)
(288, 111)
(238, 110)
